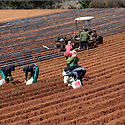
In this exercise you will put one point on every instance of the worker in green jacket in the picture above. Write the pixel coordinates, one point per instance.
(73, 60)
(84, 35)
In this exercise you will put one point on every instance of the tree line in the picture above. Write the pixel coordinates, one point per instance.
(26, 4)
(56, 4)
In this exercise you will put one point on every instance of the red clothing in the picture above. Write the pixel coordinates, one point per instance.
(68, 49)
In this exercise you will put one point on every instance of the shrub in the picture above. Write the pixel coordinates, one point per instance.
(84, 3)
(107, 3)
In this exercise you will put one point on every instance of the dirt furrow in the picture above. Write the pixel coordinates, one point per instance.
(102, 57)
(93, 116)
(70, 115)
(92, 96)
(123, 74)
(105, 119)
(100, 74)
(119, 120)
(69, 108)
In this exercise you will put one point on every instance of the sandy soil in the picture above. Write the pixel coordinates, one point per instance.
(8, 15)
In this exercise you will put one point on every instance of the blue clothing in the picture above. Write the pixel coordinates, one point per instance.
(81, 43)
(2, 74)
(35, 74)
(75, 71)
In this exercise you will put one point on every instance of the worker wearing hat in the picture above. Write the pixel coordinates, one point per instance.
(68, 49)
(34, 72)
(73, 60)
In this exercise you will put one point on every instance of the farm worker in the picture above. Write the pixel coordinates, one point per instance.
(73, 60)
(6, 74)
(76, 71)
(84, 35)
(93, 37)
(76, 34)
(68, 49)
(34, 72)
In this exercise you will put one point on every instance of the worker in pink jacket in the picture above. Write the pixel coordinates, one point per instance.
(68, 49)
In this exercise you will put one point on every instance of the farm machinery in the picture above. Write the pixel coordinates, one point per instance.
(75, 38)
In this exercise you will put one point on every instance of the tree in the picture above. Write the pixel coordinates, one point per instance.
(18, 4)
(84, 3)
(26, 4)
(107, 3)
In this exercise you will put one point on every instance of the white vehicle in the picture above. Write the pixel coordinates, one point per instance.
(86, 19)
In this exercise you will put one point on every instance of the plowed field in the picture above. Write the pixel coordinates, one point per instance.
(102, 98)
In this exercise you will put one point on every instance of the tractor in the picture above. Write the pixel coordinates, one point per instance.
(62, 41)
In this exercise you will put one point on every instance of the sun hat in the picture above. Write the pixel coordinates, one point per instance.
(69, 42)
(73, 52)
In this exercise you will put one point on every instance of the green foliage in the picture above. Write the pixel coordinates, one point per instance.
(3, 4)
(121, 4)
(26, 4)
(52, 4)
(14, 4)
(84, 3)
(107, 3)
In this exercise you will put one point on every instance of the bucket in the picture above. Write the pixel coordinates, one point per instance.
(76, 84)
(2, 81)
(30, 81)
(65, 77)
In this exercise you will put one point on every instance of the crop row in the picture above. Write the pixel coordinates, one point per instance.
(95, 75)
(60, 62)
(31, 41)
(90, 96)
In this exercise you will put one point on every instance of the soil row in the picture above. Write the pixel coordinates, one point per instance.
(88, 98)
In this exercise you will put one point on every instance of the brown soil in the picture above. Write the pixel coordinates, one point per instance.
(8, 15)
(100, 101)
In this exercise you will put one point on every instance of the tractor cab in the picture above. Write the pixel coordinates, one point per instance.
(86, 19)
(92, 42)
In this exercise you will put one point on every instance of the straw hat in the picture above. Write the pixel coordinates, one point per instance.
(73, 52)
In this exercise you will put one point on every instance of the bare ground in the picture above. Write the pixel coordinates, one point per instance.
(8, 15)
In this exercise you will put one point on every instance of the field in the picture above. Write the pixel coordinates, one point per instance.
(102, 98)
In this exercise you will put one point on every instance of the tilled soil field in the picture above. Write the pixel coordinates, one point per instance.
(102, 98)
(24, 39)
